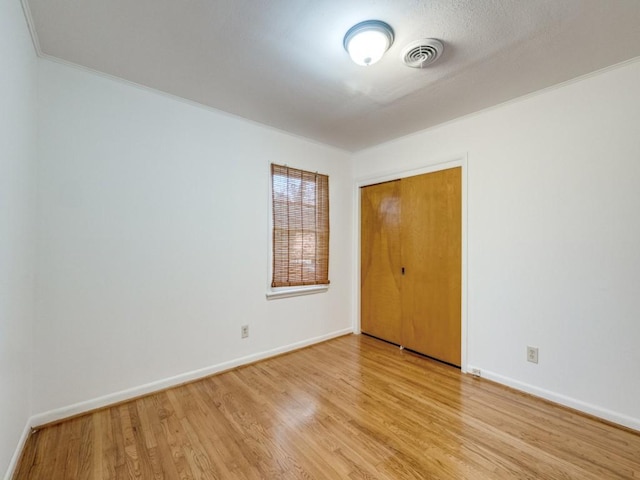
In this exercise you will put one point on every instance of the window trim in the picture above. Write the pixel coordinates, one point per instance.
(275, 293)
(286, 292)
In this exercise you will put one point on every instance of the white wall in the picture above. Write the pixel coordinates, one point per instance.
(554, 230)
(18, 67)
(153, 239)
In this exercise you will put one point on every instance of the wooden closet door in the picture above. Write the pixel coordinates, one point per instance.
(380, 277)
(431, 254)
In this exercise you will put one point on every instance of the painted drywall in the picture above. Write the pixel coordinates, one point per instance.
(553, 232)
(153, 239)
(18, 95)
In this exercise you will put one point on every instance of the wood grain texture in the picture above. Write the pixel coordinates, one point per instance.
(431, 232)
(380, 263)
(352, 408)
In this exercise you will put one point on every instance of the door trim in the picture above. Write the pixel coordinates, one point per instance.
(452, 162)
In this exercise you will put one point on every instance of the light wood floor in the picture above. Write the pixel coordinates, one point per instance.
(353, 408)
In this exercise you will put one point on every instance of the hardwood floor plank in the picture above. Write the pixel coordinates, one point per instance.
(31, 463)
(352, 408)
(163, 450)
(62, 448)
(206, 428)
(109, 448)
(172, 431)
(96, 458)
(87, 438)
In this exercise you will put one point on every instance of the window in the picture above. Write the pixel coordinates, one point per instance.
(300, 227)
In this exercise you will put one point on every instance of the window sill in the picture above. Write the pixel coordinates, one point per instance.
(285, 292)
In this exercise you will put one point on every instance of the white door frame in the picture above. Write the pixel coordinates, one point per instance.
(456, 161)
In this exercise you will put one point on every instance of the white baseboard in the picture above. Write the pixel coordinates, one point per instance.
(596, 411)
(16, 455)
(112, 398)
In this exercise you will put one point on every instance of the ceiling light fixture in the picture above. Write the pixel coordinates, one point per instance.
(367, 41)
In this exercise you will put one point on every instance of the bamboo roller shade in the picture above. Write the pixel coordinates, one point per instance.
(300, 227)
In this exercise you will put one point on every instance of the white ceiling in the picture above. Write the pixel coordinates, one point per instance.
(281, 62)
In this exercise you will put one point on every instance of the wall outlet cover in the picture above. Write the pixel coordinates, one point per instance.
(532, 354)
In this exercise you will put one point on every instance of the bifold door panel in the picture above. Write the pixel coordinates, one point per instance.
(381, 277)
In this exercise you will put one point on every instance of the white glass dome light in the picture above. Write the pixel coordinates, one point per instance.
(367, 41)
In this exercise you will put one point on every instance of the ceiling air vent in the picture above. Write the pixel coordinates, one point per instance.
(421, 53)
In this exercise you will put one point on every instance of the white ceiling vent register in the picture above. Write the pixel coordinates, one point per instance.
(422, 52)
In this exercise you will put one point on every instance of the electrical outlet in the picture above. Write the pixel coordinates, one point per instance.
(244, 331)
(532, 354)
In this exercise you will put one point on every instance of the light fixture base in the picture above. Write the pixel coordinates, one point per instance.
(367, 41)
